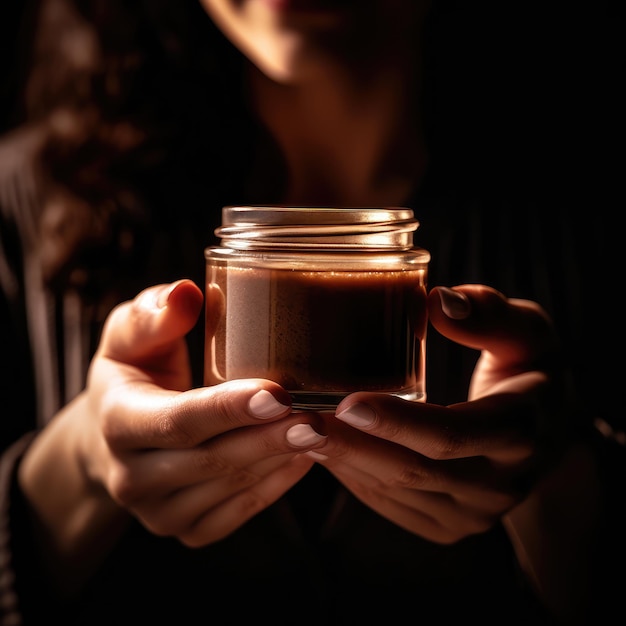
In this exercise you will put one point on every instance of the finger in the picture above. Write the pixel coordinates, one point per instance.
(436, 516)
(397, 467)
(149, 324)
(514, 331)
(180, 513)
(240, 457)
(234, 512)
(465, 430)
(437, 504)
(143, 417)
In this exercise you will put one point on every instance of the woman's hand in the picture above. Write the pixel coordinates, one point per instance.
(446, 472)
(190, 463)
(196, 464)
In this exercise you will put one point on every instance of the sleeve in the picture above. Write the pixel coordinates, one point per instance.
(12, 516)
(18, 398)
(17, 382)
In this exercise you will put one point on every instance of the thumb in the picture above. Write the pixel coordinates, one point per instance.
(148, 326)
(516, 332)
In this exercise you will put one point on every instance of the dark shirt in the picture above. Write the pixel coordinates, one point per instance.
(494, 209)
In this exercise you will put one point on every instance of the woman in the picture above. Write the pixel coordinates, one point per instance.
(130, 492)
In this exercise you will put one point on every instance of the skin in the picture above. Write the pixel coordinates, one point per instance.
(295, 42)
(139, 439)
(338, 89)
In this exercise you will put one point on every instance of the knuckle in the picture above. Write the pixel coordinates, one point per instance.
(108, 411)
(250, 503)
(241, 479)
(450, 445)
(475, 524)
(211, 527)
(222, 406)
(214, 466)
(412, 477)
(208, 463)
(341, 452)
(161, 527)
(170, 421)
(463, 526)
(122, 485)
(169, 522)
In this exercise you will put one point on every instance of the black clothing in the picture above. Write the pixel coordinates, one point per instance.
(509, 210)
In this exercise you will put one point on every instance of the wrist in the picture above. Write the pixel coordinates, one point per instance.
(74, 520)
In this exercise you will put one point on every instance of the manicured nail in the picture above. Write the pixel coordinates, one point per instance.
(316, 456)
(264, 405)
(454, 303)
(303, 435)
(164, 294)
(359, 415)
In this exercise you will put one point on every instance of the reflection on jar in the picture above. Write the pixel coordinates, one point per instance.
(319, 300)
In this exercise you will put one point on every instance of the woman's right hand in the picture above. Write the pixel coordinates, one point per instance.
(190, 463)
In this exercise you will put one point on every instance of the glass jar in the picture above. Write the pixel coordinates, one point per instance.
(324, 301)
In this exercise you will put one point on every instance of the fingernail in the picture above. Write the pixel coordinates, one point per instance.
(264, 405)
(164, 294)
(454, 303)
(316, 456)
(303, 435)
(359, 415)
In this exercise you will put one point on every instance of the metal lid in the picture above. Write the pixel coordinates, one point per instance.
(288, 227)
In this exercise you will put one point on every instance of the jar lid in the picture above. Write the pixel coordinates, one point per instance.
(277, 226)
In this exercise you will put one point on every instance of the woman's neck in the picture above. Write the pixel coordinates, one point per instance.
(346, 142)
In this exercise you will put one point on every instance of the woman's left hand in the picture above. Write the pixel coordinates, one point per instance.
(446, 472)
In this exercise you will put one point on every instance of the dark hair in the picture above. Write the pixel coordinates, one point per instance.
(137, 97)
(144, 109)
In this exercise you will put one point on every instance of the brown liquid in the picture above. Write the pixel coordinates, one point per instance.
(320, 334)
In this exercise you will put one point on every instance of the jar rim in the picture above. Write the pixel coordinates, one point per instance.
(278, 215)
(246, 226)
